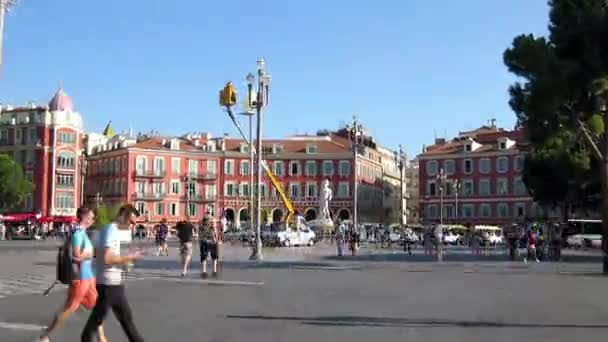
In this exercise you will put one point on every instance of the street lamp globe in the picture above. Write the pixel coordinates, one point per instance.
(250, 79)
(260, 63)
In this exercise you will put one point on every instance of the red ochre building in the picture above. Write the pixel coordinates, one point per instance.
(487, 163)
(47, 141)
(189, 176)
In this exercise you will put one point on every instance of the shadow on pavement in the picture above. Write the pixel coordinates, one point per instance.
(451, 257)
(171, 263)
(359, 321)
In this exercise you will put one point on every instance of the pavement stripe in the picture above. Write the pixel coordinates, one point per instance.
(21, 326)
(212, 282)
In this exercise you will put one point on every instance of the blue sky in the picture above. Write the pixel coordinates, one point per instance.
(409, 69)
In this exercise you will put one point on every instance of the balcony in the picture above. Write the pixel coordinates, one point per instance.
(150, 174)
(148, 196)
(203, 198)
(205, 176)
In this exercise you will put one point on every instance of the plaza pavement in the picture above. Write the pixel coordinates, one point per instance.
(307, 294)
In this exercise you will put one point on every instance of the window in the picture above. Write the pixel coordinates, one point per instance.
(311, 190)
(520, 210)
(431, 189)
(518, 163)
(244, 168)
(158, 188)
(65, 180)
(229, 189)
(467, 210)
(343, 190)
(502, 164)
(65, 160)
(448, 211)
(124, 163)
(175, 166)
(448, 186)
(311, 149)
(191, 209)
(485, 210)
(30, 157)
(175, 187)
(431, 168)
(140, 187)
(211, 168)
(502, 145)
(33, 139)
(467, 187)
(467, 166)
(448, 166)
(29, 201)
(64, 200)
(311, 168)
(140, 206)
(244, 148)
(519, 188)
(263, 190)
(67, 138)
(484, 187)
(468, 147)
(159, 209)
(294, 168)
(159, 166)
(192, 167)
(229, 167)
(431, 211)
(344, 168)
(17, 136)
(502, 210)
(277, 168)
(502, 186)
(3, 137)
(173, 209)
(484, 166)
(190, 189)
(294, 190)
(210, 191)
(328, 168)
(245, 189)
(140, 165)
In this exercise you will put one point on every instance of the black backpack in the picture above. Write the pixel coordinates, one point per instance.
(65, 265)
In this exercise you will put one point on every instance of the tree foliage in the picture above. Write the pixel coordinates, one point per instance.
(104, 214)
(13, 185)
(559, 79)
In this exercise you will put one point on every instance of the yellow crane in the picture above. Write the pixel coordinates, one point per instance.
(227, 100)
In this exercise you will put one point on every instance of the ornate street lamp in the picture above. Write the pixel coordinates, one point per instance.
(401, 161)
(356, 136)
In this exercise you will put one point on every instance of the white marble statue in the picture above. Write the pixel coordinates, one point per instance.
(325, 196)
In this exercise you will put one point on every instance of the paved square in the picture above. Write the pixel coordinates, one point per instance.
(380, 295)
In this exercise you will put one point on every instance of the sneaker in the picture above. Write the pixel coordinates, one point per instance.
(183, 274)
(525, 260)
(537, 261)
(204, 275)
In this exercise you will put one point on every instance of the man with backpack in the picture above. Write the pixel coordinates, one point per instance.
(185, 232)
(208, 243)
(74, 267)
(110, 282)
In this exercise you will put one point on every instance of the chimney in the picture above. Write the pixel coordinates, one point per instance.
(439, 141)
(163, 142)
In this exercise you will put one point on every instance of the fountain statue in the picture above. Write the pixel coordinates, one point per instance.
(325, 196)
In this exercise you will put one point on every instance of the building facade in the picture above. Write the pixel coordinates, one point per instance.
(47, 141)
(413, 190)
(186, 177)
(482, 181)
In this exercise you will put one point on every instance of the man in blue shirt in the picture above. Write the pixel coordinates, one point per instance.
(82, 288)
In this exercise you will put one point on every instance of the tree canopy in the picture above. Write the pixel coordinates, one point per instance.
(13, 185)
(555, 101)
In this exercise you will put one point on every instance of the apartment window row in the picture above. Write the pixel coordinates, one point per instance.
(67, 138)
(484, 165)
(174, 209)
(64, 200)
(66, 160)
(484, 210)
(21, 136)
(502, 187)
(158, 165)
(279, 168)
(65, 180)
(293, 190)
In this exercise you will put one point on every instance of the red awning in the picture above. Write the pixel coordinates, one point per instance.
(21, 217)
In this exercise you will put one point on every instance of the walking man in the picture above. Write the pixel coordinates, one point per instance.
(82, 288)
(185, 230)
(110, 284)
(208, 243)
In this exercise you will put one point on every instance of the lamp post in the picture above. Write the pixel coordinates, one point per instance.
(249, 113)
(4, 7)
(355, 135)
(441, 178)
(227, 100)
(400, 161)
(456, 186)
